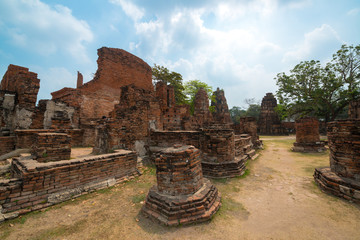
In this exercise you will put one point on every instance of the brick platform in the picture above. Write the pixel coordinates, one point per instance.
(37, 185)
(51, 147)
(307, 136)
(181, 195)
(218, 146)
(343, 177)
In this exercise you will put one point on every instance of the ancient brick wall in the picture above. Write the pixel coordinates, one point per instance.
(26, 138)
(202, 116)
(51, 147)
(354, 109)
(344, 145)
(218, 145)
(307, 130)
(7, 144)
(36, 185)
(7, 113)
(25, 86)
(247, 125)
(24, 83)
(221, 112)
(178, 171)
(269, 121)
(80, 80)
(169, 138)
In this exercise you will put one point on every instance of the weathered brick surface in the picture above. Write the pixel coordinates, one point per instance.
(344, 145)
(343, 177)
(221, 112)
(269, 121)
(248, 125)
(36, 185)
(51, 147)
(7, 144)
(25, 138)
(24, 83)
(307, 136)
(169, 138)
(181, 195)
(354, 109)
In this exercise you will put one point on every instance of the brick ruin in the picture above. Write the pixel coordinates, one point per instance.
(221, 112)
(135, 116)
(354, 109)
(342, 178)
(182, 195)
(307, 136)
(269, 122)
(248, 125)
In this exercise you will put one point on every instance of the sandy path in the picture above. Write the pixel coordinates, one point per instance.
(277, 200)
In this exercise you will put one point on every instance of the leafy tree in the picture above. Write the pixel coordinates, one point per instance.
(192, 87)
(313, 90)
(253, 110)
(160, 73)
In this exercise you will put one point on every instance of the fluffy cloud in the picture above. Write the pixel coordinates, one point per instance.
(316, 43)
(36, 26)
(130, 9)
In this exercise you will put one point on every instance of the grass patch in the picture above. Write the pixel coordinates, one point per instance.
(231, 207)
(138, 198)
(61, 231)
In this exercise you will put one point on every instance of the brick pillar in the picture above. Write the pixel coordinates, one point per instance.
(179, 171)
(182, 195)
(344, 145)
(307, 136)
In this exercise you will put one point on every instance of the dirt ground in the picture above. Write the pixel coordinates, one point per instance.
(277, 199)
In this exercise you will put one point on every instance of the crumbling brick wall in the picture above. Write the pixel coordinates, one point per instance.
(25, 86)
(37, 185)
(221, 112)
(269, 121)
(50, 147)
(354, 109)
(7, 144)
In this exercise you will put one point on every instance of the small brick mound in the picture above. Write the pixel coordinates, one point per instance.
(219, 154)
(343, 177)
(182, 195)
(307, 136)
(51, 147)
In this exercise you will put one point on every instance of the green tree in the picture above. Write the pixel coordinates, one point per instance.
(253, 110)
(160, 73)
(236, 113)
(313, 90)
(191, 88)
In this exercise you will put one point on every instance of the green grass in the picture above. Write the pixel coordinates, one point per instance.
(138, 198)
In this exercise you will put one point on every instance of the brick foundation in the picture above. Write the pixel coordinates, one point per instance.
(51, 147)
(7, 144)
(343, 177)
(307, 136)
(181, 195)
(37, 185)
(218, 146)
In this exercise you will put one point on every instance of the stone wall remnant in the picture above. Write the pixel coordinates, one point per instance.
(307, 136)
(248, 125)
(80, 80)
(342, 178)
(182, 195)
(269, 122)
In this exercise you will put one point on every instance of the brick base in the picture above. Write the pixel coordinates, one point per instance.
(342, 187)
(224, 169)
(185, 209)
(309, 147)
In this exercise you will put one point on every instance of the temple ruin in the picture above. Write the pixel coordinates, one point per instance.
(182, 195)
(269, 122)
(342, 178)
(123, 116)
(307, 136)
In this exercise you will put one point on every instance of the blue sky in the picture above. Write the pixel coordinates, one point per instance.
(239, 45)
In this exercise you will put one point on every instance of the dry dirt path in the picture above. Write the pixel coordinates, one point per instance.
(276, 200)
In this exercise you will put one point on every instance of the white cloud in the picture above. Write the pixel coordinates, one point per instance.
(315, 43)
(354, 12)
(36, 26)
(130, 9)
